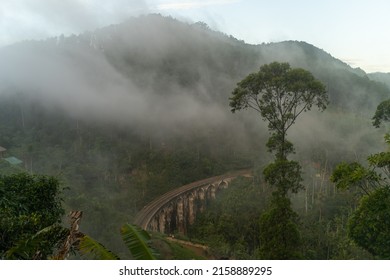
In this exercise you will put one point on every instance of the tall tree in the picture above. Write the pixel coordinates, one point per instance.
(280, 94)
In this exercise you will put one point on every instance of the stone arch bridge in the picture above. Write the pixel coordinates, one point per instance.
(175, 210)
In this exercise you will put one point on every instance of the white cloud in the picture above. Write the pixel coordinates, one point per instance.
(186, 5)
(37, 19)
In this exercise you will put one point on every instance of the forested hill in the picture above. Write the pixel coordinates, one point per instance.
(124, 113)
(164, 62)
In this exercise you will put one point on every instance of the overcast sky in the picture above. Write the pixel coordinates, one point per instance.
(354, 31)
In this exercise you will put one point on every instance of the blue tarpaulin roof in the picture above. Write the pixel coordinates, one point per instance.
(13, 160)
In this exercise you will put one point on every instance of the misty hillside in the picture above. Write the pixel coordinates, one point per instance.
(152, 64)
(380, 77)
(124, 113)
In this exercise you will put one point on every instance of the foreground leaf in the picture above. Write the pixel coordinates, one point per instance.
(90, 247)
(137, 240)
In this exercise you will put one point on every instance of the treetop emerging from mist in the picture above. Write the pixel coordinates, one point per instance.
(280, 94)
(382, 113)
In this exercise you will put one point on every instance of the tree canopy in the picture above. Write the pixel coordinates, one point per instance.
(280, 94)
(382, 113)
(369, 225)
(30, 209)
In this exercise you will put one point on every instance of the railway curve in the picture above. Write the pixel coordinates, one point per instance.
(176, 209)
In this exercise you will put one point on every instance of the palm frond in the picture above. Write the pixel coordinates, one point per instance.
(91, 248)
(38, 246)
(137, 240)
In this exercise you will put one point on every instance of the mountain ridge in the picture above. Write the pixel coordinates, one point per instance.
(161, 60)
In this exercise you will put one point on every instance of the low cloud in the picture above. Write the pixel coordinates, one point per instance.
(81, 81)
(26, 19)
(187, 5)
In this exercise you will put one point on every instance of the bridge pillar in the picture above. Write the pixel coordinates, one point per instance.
(212, 191)
(162, 221)
(180, 224)
(191, 208)
(202, 198)
(153, 224)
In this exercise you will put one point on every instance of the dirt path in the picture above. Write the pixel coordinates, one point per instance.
(199, 249)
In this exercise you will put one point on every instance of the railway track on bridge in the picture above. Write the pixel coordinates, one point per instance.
(144, 217)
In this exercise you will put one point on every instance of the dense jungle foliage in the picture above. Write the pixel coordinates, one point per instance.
(125, 113)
